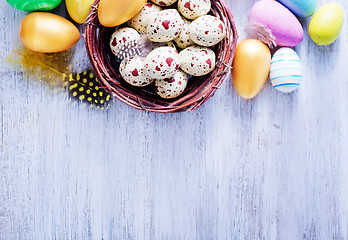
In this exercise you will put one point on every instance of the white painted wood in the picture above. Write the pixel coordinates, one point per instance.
(274, 167)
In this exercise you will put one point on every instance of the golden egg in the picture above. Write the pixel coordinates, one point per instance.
(251, 66)
(115, 12)
(48, 33)
(78, 9)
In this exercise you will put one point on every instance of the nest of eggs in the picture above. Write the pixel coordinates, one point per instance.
(198, 90)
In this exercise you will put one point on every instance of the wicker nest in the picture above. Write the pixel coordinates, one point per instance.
(199, 89)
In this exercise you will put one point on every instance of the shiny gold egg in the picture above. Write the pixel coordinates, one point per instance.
(48, 33)
(115, 12)
(251, 66)
(78, 9)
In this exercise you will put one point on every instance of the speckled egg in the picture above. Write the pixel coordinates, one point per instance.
(132, 71)
(286, 70)
(164, 2)
(207, 30)
(326, 24)
(162, 63)
(197, 61)
(165, 26)
(141, 20)
(192, 9)
(184, 40)
(172, 87)
(123, 37)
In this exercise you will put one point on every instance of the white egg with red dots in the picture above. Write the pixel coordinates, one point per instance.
(165, 26)
(183, 40)
(172, 87)
(197, 60)
(162, 63)
(207, 31)
(162, 2)
(140, 21)
(121, 38)
(132, 71)
(192, 9)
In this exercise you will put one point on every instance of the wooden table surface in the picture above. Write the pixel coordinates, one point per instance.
(274, 167)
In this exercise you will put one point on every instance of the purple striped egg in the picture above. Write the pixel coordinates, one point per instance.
(274, 24)
(286, 70)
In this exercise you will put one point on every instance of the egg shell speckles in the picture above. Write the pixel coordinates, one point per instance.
(162, 63)
(192, 9)
(172, 87)
(165, 26)
(286, 70)
(141, 20)
(207, 31)
(122, 37)
(132, 71)
(163, 2)
(184, 40)
(197, 61)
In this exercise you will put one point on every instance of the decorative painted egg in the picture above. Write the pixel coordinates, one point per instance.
(251, 66)
(34, 5)
(207, 31)
(164, 2)
(122, 40)
(165, 26)
(192, 9)
(141, 20)
(326, 24)
(286, 70)
(301, 8)
(112, 13)
(162, 63)
(172, 87)
(48, 33)
(132, 71)
(272, 23)
(78, 9)
(197, 60)
(183, 40)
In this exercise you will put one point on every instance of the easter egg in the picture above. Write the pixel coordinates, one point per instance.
(286, 70)
(301, 8)
(78, 9)
(326, 24)
(48, 33)
(112, 13)
(34, 5)
(274, 24)
(251, 66)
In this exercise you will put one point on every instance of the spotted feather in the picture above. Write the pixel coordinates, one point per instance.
(85, 87)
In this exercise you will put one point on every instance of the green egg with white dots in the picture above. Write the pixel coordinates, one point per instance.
(326, 24)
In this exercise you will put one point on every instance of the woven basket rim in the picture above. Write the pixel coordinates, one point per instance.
(200, 89)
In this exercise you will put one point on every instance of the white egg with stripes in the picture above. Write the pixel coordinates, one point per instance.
(286, 70)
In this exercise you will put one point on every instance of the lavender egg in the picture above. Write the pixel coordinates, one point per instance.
(274, 24)
(301, 8)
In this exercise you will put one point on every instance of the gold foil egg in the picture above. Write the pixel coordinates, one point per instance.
(48, 33)
(78, 9)
(112, 13)
(251, 66)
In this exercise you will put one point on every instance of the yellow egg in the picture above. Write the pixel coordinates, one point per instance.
(48, 33)
(115, 12)
(251, 66)
(78, 9)
(326, 24)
